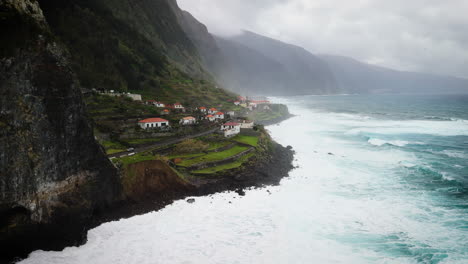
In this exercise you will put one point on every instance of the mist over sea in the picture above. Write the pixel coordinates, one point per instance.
(381, 179)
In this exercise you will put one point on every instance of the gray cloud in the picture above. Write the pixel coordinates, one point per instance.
(417, 35)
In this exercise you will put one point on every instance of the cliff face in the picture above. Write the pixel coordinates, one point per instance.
(51, 168)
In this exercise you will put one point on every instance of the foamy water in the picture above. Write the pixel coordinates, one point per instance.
(367, 190)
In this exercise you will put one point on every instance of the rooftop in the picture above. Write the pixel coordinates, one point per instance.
(153, 120)
(232, 124)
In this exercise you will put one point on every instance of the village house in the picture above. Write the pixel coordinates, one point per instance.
(219, 115)
(247, 124)
(212, 111)
(178, 106)
(151, 123)
(150, 102)
(231, 129)
(165, 112)
(190, 120)
(237, 102)
(211, 118)
(202, 109)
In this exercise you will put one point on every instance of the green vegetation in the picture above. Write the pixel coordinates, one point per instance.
(132, 47)
(214, 156)
(249, 140)
(275, 111)
(190, 146)
(113, 147)
(138, 141)
(217, 145)
(127, 160)
(234, 165)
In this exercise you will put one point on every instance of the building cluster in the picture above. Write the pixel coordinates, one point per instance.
(212, 114)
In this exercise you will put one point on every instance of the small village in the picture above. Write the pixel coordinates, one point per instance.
(198, 140)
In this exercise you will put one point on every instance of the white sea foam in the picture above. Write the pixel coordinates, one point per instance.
(380, 142)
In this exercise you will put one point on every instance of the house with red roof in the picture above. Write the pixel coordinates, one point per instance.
(189, 120)
(152, 123)
(165, 112)
(211, 118)
(231, 129)
(202, 109)
(212, 111)
(237, 102)
(219, 115)
(178, 106)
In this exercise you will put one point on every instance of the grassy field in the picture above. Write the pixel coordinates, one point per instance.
(214, 156)
(135, 158)
(113, 147)
(140, 141)
(224, 167)
(249, 140)
(217, 145)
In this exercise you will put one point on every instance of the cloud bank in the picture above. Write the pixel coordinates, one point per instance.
(418, 35)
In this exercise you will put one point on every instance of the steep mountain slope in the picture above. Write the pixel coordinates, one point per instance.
(305, 73)
(131, 45)
(357, 77)
(53, 174)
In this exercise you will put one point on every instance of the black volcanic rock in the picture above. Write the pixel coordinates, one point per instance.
(53, 174)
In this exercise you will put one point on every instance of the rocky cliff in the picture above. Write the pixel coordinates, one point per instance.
(53, 174)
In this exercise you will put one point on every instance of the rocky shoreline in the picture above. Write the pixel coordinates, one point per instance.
(72, 230)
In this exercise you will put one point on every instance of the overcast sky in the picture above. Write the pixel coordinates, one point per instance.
(416, 35)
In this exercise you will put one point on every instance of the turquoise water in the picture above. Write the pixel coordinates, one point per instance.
(380, 179)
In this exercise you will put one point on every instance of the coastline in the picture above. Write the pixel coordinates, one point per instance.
(72, 232)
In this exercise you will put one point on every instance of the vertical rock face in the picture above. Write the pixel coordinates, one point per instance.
(51, 168)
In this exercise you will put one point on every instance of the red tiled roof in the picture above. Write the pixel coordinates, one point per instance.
(189, 118)
(202, 107)
(213, 109)
(153, 120)
(209, 116)
(220, 113)
(232, 124)
(165, 110)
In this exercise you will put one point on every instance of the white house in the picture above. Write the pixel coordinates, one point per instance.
(212, 111)
(190, 120)
(237, 102)
(178, 106)
(247, 124)
(231, 129)
(219, 115)
(202, 109)
(153, 123)
(211, 118)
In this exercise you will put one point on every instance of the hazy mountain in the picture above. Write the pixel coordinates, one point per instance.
(357, 77)
(305, 73)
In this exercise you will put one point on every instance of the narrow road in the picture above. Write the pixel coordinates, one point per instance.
(162, 144)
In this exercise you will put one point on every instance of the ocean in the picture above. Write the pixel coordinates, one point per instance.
(380, 179)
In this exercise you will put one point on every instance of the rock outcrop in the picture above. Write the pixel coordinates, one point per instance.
(53, 174)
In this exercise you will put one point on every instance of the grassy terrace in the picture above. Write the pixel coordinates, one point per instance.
(113, 147)
(144, 156)
(249, 140)
(138, 141)
(224, 167)
(214, 156)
